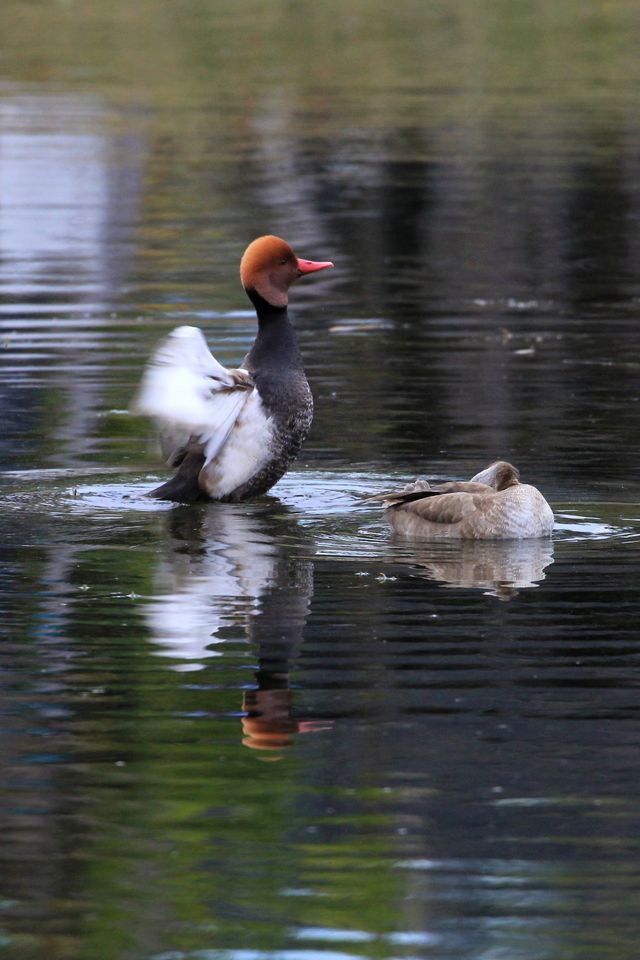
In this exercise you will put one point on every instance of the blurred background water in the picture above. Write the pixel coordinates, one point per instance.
(452, 730)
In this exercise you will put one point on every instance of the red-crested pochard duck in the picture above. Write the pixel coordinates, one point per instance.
(493, 505)
(233, 433)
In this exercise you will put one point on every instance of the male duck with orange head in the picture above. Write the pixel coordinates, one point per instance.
(233, 433)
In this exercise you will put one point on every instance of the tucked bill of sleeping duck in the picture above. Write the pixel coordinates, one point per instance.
(493, 505)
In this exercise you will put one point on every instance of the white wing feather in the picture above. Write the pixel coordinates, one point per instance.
(190, 393)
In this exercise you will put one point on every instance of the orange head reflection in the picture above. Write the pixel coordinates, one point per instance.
(269, 725)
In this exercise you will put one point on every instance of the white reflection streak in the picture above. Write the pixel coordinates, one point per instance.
(65, 211)
(202, 592)
(54, 190)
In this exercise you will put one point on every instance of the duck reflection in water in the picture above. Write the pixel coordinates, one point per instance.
(238, 566)
(501, 568)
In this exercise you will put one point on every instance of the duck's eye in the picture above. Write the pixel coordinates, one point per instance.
(283, 261)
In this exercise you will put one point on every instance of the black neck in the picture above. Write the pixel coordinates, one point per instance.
(276, 341)
(265, 310)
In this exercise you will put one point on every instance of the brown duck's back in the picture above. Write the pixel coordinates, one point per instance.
(473, 511)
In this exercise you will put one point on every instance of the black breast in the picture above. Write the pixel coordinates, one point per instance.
(275, 363)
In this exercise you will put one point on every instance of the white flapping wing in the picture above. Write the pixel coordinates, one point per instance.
(190, 393)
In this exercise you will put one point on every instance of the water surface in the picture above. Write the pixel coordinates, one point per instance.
(271, 731)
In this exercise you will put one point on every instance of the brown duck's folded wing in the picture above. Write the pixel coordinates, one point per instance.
(448, 507)
(415, 492)
(411, 491)
(461, 486)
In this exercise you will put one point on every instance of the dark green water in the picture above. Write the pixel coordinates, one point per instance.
(268, 732)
